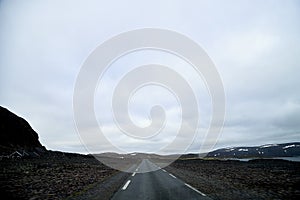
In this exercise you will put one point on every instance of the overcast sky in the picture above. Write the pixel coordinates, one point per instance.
(255, 46)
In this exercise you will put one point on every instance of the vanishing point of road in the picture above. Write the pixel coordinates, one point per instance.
(156, 185)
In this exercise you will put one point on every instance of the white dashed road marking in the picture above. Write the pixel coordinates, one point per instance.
(195, 189)
(126, 185)
(164, 170)
(172, 175)
(133, 174)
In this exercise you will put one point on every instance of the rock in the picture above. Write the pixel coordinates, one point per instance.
(17, 134)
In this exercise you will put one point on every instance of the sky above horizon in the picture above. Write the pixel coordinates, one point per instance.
(255, 46)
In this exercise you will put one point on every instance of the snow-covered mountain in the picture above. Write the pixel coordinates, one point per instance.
(264, 151)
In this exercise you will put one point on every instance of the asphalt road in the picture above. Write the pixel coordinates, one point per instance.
(156, 185)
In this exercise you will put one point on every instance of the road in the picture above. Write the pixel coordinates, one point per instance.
(156, 185)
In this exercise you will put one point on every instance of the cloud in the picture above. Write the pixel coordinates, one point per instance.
(254, 45)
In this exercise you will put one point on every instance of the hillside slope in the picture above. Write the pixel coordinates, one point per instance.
(264, 151)
(16, 133)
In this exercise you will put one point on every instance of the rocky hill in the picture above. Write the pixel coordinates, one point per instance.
(264, 151)
(16, 134)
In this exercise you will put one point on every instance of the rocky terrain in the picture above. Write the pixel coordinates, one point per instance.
(55, 176)
(30, 171)
(17, 135)
(255, 179)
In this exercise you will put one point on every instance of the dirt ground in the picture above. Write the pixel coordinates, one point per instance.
(51, 177)
(83, 177)
(257, 179)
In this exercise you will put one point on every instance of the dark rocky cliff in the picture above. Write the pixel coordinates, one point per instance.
(16, 133)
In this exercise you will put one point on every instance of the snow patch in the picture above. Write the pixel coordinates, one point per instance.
(228, 150)
(243, 149)
(269, 145)
(290, 146)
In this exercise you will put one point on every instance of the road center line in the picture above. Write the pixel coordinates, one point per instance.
(195, 189)
(172, 175)
(133, 174)
(126, 185)
(164, 170)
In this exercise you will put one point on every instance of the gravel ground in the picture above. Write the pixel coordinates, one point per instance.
(51, 177)
(257, 179)
(83, 177)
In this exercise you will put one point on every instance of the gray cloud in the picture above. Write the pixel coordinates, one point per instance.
(254, 45)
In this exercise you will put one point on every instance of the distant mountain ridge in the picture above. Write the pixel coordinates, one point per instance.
(17, 134)
(264, 151)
